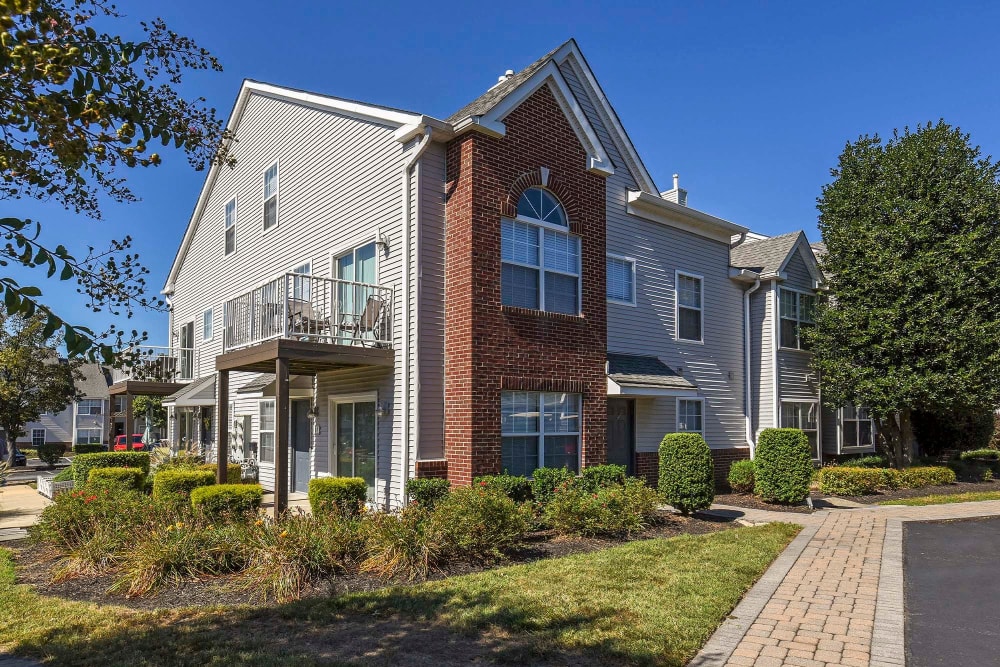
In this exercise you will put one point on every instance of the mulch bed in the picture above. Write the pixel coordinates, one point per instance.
(38, 565)
(753, 502)
(958, 487)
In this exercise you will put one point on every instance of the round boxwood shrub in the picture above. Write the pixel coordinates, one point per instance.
(51, 452)
(741, 476)
(515, 487)
(91, 448)
(117, 479)
(848, 481)
(427, 491)
(916, 477)
(545, 480)
(686, 472)
(176, 484)
(343, 494)
(783, 465)
(234, 472)
(221, 499)
(82, 463)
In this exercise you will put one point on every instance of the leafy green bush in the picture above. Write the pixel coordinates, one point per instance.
(234, 472)
(178, 484)
(29, 452)
(344, 495)
(686, 472)
(845, 481)
(545, 480)
(916, 477)
(116, 480)
(872, 461)
(64, 475)
(614, 510)
(51, 452)
(478, 525)
(426, 492)
(783, 465)
(84, 448)
(82, 463)
(515, 487)
(182, 461)
(399, 544)
(602, 477)
(227, 499)
(741, 476)
(986, 454)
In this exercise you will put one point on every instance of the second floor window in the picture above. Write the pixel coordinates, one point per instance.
(797, 311)
(90, 406)
(206, 325)
(621, 280)
(859, 428)
(690, 310)
(271, 197)
(231, 226)
(540, 258)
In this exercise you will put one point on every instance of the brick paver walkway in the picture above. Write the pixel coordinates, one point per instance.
(837, 598)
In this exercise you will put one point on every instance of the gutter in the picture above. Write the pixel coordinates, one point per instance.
(408, 165)
(747, 353)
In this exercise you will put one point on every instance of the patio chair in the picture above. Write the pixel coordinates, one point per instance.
(368, 321)
(303, 319)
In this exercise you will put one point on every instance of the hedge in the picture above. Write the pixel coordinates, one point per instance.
(92, 448)
(990, 454)
(50, 453)
(602, 477)
(545, 480)
(117, 479)
(847, 481)
(782, 465)
(220, 499)
(234, 472)
(427, 491)
(916, 477)
(871, 461)
(83, 463)
(346, 494)
(515, 487)
(174, 483)
(741, 476)
(686, 472)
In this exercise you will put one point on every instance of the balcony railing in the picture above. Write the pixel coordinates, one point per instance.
(150, 363)
(309, 308)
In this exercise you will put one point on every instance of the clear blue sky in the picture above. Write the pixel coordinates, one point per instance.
(751, 102)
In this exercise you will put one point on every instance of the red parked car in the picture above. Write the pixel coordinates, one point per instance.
(121, 444)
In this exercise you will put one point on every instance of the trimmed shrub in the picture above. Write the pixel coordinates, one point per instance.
(545, 480)
(845, 481)
(741, 476)
(222, 499)
(686, 472)
(177, 484)
(234, 473)
(64, 475)
(916, 477)
(116, 480)
(602, 477)
(981, 454)
(337, 494)
(873, 461)
(617, 510)
(477, 525)
(51, 452)
(89, 448)
(426, 492)
(82, 463)
(515, 487)
(783, 465)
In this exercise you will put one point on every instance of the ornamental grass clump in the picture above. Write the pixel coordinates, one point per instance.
(398, 545)
(687, 479)
(618, 510)
(783, 466)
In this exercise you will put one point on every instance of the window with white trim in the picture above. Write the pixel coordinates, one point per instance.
(797, 310)
(230, 227)
(803, 415)
(271, 197)
(540, 258)
(206, 325)
(539, 429)
(89, 436)
(858, 427)
(266, 431)
(691, 415)
(37, 437)
(690, 307)
(90, 406)
(621, 280)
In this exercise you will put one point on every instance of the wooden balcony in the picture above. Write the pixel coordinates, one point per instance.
(150, 370)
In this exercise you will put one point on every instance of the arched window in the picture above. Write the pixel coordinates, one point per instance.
(541, 260)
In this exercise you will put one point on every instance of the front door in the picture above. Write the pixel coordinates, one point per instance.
(300, 446)
(621, 433)
(354, 422)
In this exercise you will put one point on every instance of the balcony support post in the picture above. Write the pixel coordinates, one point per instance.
(281, 432)
(129, 421)
(222, 472)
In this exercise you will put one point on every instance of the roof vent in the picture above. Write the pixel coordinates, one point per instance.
(678, 195)
(506, 75)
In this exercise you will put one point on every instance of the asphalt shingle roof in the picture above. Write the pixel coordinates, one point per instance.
(259, 383)
(765, 255)
(94, 383)
(643, 371)
(189, 390)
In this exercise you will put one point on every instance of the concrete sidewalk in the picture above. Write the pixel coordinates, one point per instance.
(20, 506)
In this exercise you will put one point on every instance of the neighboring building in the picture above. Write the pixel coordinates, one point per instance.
(379, 293)
(84, 421)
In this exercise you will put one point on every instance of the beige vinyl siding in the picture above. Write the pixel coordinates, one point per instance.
(797, 274)
(761, 370)
(797, 378)
(58, 428)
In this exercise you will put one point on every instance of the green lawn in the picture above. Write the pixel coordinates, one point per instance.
(939, 499)
(644, 603)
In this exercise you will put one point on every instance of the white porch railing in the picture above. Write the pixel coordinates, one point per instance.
(302, 307)
(151, 363)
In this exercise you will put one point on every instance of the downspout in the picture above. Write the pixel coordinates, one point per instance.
(749, 382)
(407, 285)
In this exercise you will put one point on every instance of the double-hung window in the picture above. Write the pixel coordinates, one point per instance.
(621, 280)
(301, 286)
(540, 258)
(858, 427)
(690, 306)
(37, 437)
(797, 310)
(231, 226)
(271, 197)
(802, 415)
(266, 449)
(539, 429)
(89, 436)
(90, 406)
(206, 325)
(691, 415)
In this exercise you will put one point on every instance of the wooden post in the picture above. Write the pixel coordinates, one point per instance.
(281, 428)
(222, 446)
(129, 422)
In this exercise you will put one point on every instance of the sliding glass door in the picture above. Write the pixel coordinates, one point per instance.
(354, 423)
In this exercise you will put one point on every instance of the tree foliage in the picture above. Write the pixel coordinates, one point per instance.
(77, 107)
(912, 321)
(33, 379)
(150, 407)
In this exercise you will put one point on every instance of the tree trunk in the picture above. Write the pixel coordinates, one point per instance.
(890, 433)
(907, 441)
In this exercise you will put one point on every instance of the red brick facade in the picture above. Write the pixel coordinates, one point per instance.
(489, 347)
(647, 465)
(437, 468)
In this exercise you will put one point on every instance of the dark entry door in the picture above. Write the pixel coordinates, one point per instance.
(300, 446)
(621, 432)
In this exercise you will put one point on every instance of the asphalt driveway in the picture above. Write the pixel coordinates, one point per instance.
(952, 582)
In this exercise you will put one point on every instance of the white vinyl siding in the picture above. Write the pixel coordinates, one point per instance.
(621, 280)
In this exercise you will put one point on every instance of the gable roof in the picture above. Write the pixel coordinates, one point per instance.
(771, 255)
(636, 370)
(94, 383)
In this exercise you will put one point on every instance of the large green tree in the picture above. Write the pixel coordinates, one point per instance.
(33, 379)
(78, 107)
(912, 318)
